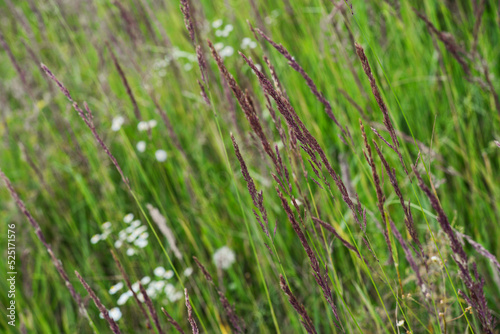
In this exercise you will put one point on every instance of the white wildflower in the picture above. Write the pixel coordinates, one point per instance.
(141, 146)
(169, 274)
(145, 280)
(142, 126)
(124, 297)
(151, 291)
(95, 239)
(128, 218)
(224, 257)
(106, 226)
(141, 243)
(152, 123)
(115, 288)
(161, 155)
(218, 46)
(158, 285)
(122, 235)
(117, 123)
(159, 271)
(135, 287)
(226, 52)
(217, 23)
(136, 223)
(248, 43)
(188, 67)
(400, 323)
(130, 252)
(115, 313)
(118, 243)
(188, 271)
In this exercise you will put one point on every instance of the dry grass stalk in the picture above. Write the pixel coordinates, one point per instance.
(318, 276)
(186, 11)
(449, 42)
(244, 102)
(257, 197)
(57, 263)
(151, 308)
(332, 230)
(476, 298)
(161, 222)
(383, 107)
(301, 310)
(191, 320)
(129, 286)
(310, 83)
(87, 118)
(298, 129)
(410, 225)
(237, 323)
(172, 321)
(112, 324)
(130, 94)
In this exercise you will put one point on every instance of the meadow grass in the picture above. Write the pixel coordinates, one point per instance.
(258, 167)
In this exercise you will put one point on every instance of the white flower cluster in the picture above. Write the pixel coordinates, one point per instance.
(160, 65)
(135, 235)
(144, 126)
(224, 258)
(224, 32)
(156, 288)
(117, 123)
(248, 43)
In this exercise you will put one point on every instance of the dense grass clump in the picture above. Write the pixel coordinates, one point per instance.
(251, 167)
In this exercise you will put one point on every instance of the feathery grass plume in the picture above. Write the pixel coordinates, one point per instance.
(476, 298)
(57, 263)
(192, 322)
(203, 93)
(449, 42)
(202, 63)
(318, 276)
(310, 144)
(13, 60)
(408, 253)
(112, 324)
(410, 225)
(237, 323)
(125, 83)
(301, 310)
(480, 249)
(151, 308)
(87, 118)
(310, 83)
(129, 286)
(172, 321)
(186, 11)
(246, 106)
(332, 230)
(277, 83)
(383, 107)
(161, 222)
(257, 197)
